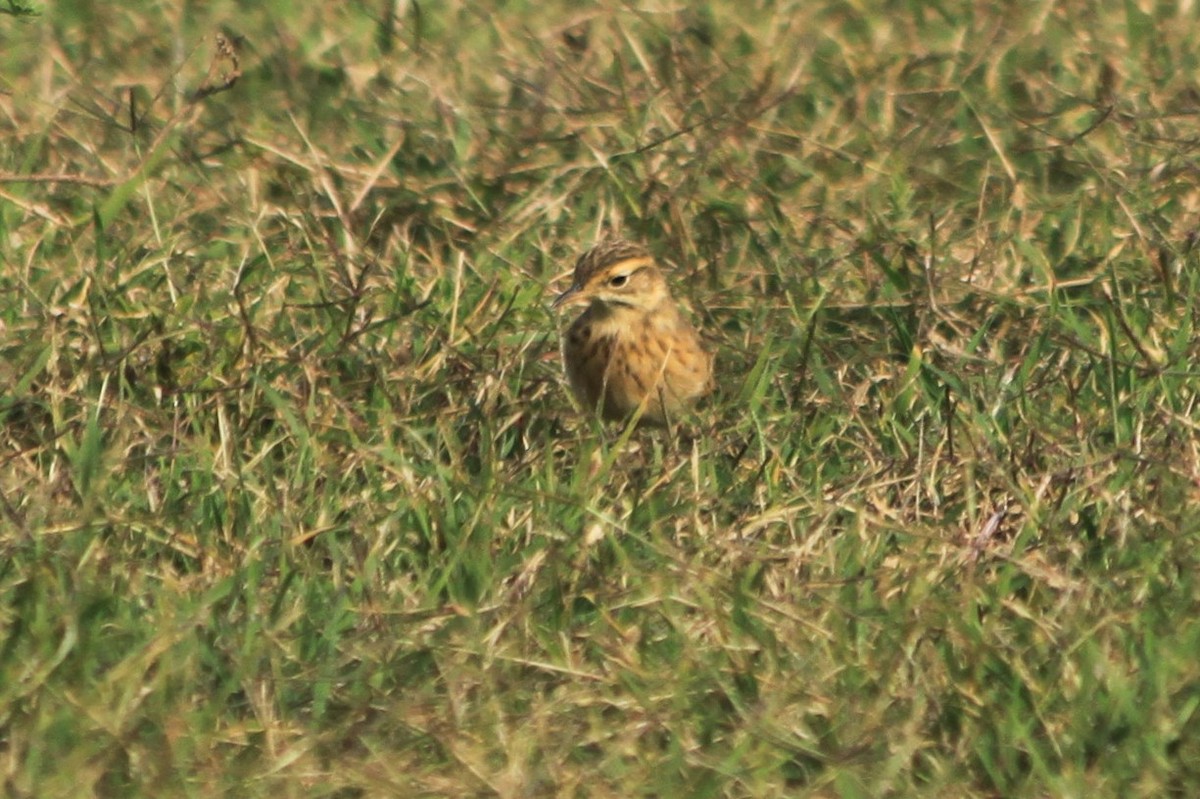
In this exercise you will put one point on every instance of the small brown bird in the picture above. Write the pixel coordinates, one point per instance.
(631, 348)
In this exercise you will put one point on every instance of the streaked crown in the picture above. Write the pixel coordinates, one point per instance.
(605, 254)
(616, 273)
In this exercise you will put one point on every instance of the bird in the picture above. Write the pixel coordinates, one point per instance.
(631, 351)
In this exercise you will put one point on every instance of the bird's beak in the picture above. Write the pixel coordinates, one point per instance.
(571, 296)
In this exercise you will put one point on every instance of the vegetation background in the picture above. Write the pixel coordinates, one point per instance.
(293, 502)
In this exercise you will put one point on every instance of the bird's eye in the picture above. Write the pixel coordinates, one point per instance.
(616, 281)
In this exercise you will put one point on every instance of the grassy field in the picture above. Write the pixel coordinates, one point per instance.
(294, 502)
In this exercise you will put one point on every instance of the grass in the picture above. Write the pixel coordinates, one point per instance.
(293, 501)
